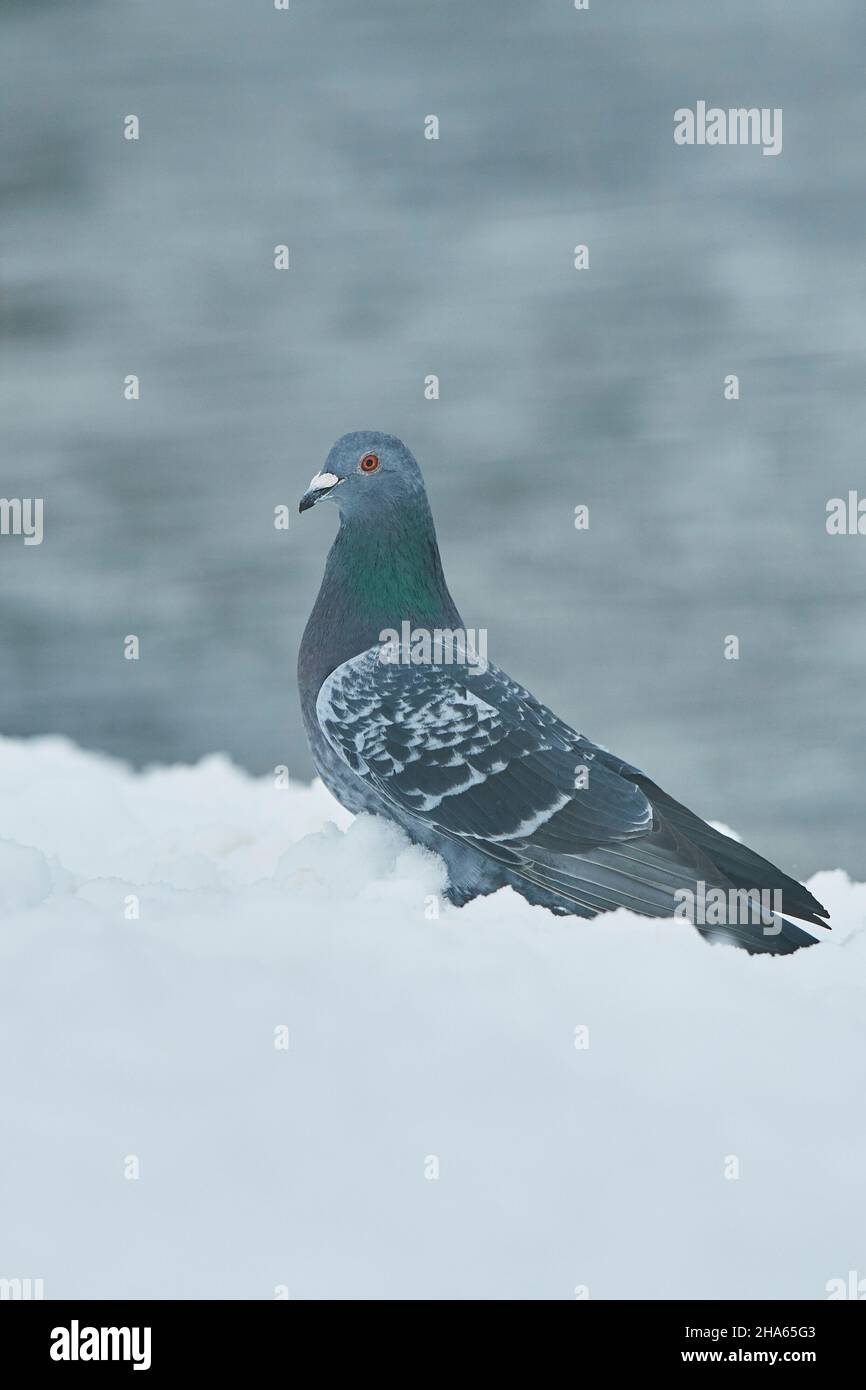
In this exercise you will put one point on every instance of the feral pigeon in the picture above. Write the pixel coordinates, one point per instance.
(406, 720)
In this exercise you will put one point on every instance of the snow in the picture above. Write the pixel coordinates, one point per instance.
(414, 1042)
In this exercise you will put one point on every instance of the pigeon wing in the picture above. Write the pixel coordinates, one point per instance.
(473, 755)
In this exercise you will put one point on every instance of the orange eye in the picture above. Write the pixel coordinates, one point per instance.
(369, 463)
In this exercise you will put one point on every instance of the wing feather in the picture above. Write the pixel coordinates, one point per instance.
(475, 756)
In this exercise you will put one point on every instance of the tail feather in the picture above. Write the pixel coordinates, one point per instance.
(741, 865)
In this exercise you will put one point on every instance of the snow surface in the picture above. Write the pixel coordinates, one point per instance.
(410, 1038)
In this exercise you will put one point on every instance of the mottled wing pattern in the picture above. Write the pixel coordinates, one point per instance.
(475, 754)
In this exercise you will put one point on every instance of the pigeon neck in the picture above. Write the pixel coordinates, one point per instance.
(391, 574)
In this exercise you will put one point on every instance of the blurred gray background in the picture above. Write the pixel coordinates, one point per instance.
(454, 257)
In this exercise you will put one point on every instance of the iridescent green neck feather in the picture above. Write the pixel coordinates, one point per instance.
(387, 569)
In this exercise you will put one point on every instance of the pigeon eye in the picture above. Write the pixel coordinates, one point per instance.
(369, 463)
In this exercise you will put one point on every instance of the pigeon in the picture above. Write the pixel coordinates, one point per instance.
(406, 720)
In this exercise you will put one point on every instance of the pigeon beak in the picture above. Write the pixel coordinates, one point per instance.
(321, 486)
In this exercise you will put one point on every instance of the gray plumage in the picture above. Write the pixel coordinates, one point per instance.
(468, 762)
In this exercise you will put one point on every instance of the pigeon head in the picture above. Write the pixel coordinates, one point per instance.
(366, 473)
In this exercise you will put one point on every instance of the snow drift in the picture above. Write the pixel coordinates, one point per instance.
(244, 1057)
